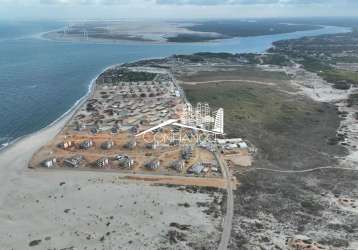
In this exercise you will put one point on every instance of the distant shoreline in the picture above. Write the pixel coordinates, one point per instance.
(172, 33)
(77, 104)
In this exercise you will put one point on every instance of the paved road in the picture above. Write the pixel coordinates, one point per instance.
(225, 237)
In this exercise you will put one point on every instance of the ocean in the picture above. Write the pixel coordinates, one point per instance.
(40, 79)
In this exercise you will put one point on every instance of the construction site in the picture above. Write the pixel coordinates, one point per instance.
(138, 121)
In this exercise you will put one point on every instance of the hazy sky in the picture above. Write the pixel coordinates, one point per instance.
(116, 9)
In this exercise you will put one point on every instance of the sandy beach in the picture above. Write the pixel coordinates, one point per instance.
(80, 209)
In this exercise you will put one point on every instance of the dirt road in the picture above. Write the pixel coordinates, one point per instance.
(225, 237)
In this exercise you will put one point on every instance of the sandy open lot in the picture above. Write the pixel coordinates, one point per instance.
(73, 209)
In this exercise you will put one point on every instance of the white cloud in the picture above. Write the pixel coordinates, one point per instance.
(117, 9)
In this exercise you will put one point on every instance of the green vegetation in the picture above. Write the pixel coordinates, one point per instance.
(124, 75)
(347, 59)
(243, 28)
(320, 54)
(192, 38)
(134, 76)
(353, 100)
(241, 73)
(249, 105)
(336, 75)
(314, 65)
(249, 58)
(203, 56)
(289, 130)
(220, 55)
(272, 58)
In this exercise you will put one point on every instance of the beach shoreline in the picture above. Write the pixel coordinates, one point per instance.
(65, 116)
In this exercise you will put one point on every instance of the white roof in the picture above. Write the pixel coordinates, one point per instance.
(243, 145)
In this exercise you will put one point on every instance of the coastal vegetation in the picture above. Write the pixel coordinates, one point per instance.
(334, 62)
(125, 75)
(281, 126)
(244, 28)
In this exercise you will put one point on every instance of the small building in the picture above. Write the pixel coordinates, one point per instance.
(230, 146)
(134, 129)
(178, 165)
(66, 144)
(196, 169)
(243, 145)
(87, 144)
(131, 145)
(232, 140)
(74, 162)
(79, 126)
(114, 130)
(102, 163)
(107, 145)
(153, 165)
(174, 142)
(125, 161)
(210, 164)
(214, 169)
(153, 145)
(120, 157)
(187, 152)
(49, 163)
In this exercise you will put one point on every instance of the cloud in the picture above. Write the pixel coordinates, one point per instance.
(192, 2)
(186, 2)
(59, 2)
(86, 2)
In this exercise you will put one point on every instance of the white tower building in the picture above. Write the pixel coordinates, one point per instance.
(219, 121)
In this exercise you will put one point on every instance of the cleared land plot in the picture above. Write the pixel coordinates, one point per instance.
(98, 210)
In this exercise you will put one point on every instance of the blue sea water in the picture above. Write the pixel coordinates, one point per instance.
(40, 79)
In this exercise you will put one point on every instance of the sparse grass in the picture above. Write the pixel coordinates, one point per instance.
(250, 104)
(289, 131)
(237, 73)
(336, 75)
(353, 100)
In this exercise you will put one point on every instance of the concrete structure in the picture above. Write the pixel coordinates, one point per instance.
(102, 163)
(131, 145)
(49, 163)
(178, 165)
(187, 152)
(201, 116)
(125, 161)
(107, 145)
(87, 144)
(219, 121)
(66, 144)
(153, 145)
(74, 162)
(196, 169)
(232, 140)
(153, 165)
(243, 145)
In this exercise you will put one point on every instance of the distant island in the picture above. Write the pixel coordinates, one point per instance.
(179, 32)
